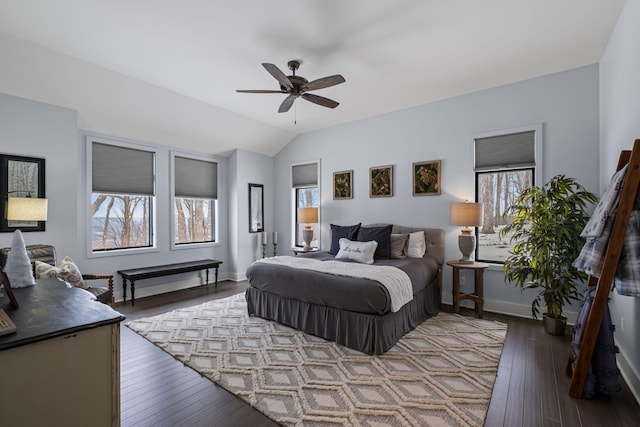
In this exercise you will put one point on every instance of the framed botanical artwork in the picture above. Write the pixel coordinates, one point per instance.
(343, 185)
(20, 177)
(426, 178)
(256, 208)
(381, 181)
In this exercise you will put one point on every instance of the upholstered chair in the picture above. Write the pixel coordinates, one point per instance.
(47, 254)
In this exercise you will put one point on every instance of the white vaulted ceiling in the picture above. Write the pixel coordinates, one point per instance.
(393, 54)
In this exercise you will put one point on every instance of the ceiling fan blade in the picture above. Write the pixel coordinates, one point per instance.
(287, 103)
(278, 75)
(320, 100)
(324, 82)
(260, 91)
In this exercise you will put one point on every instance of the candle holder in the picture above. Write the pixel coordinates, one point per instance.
(264, 250)
(275, 249)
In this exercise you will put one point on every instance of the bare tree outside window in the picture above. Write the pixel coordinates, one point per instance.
(22, 178)
(496, 191)
(194, 220)
(120, 221)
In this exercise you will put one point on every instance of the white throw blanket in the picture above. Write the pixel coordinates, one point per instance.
(395, 280)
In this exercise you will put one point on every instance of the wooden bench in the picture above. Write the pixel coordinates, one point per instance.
(134, 274)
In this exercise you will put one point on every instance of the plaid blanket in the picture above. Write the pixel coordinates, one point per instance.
(597, 232)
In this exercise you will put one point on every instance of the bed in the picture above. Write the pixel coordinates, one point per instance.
(354, 312)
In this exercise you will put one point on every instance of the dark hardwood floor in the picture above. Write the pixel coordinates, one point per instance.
(530, 390)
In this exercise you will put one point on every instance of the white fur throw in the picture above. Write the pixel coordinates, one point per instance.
(18, 266)
(396, 281)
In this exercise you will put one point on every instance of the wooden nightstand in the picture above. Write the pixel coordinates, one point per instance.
(477, 297)
(297, 251)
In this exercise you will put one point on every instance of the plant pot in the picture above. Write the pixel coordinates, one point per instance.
(554, 326)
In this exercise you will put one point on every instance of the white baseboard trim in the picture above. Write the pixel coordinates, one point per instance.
(510, 308)
(236, 277)
(630, 375)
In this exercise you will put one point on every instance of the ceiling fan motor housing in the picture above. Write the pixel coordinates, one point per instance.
(297, 82)
(293, 65)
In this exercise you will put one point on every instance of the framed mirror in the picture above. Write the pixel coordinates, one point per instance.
(256, 208)
(20, 177)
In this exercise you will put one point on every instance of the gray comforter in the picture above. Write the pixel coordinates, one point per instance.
(344, 293)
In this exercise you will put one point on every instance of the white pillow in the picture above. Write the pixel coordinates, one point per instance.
(357, 251)
(417, 246)
(66, 271)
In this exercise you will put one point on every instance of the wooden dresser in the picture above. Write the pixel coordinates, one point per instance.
(62, 366)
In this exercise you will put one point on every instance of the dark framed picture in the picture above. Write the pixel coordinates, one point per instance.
(256, 208)
(343, 185)
(20, 177)
(381, 181)
(426, 178)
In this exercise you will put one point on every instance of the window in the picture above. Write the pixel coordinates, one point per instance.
(505, 165)
(307, 197)
(306, 194)
(122, 197)
(195, 200)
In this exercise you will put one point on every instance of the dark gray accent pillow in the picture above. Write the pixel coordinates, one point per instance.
(342, 231)
(382, 235)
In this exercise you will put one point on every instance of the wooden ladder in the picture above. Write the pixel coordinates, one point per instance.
(579, 369)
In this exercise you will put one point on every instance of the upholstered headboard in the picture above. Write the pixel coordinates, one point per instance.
(434, 237)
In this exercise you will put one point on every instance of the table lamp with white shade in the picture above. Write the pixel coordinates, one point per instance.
(18, 266)
(468, 215)
(307, 216)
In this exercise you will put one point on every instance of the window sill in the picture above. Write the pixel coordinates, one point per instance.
(194, 246)
(120, 252)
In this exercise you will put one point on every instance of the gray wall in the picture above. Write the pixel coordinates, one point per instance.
(246, 167)
(565, 103)
(35, 129)
(164, 252)
(619, 127)
(31, 128)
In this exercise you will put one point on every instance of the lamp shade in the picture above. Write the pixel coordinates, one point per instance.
(307, 215)
(466, 214)
(26, 209)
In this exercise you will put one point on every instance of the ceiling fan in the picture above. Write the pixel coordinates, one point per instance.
(298, 86)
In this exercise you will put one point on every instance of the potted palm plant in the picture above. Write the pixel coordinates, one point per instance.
(545, 224)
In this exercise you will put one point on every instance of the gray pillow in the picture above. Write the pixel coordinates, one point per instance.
(399, 245)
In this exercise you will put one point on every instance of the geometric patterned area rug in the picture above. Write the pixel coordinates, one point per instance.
(440, 374)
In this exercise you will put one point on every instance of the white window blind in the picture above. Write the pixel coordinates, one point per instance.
(195, 179)
(511, 151)
(122, 170)
(305, 175)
